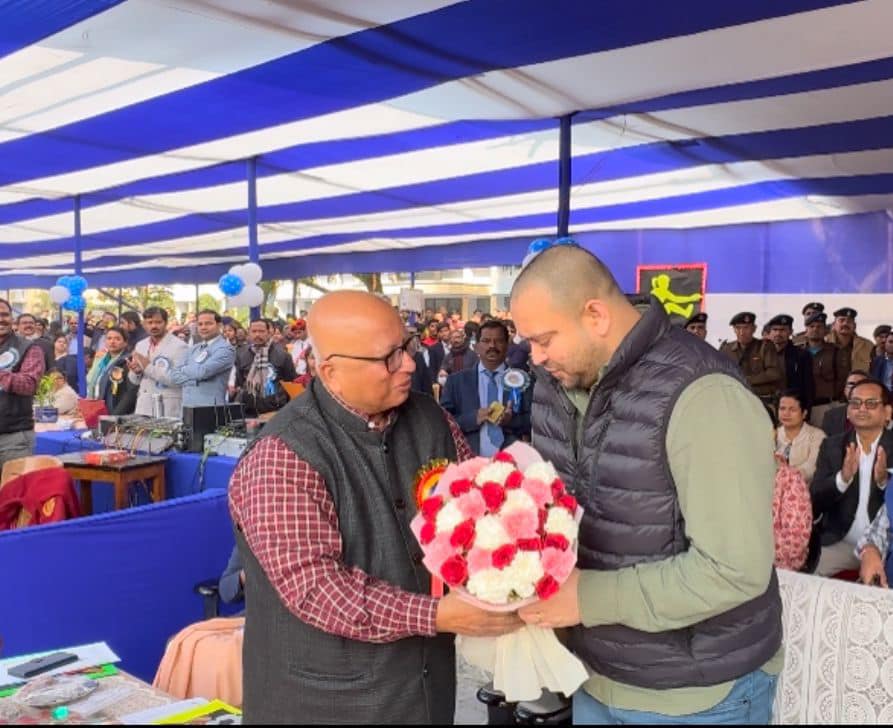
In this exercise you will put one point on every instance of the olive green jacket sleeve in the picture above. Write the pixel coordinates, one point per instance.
(720, 446)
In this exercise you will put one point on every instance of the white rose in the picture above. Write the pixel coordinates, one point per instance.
(489, 533)
(524, 572)
(561, 521)
(518, 500)
(494, 473)
(541, 471)
(448, 518)
(490, 585)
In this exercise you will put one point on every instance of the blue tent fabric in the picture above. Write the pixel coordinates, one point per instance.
(390, 135)
(125, 578)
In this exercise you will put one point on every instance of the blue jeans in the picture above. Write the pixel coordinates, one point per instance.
(750, 702)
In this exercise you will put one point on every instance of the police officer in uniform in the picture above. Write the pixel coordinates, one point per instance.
(697, 325)
(827, 368)
(809, 310)
(857, 350)
(757, 358)
(795, 363)
(880, 340)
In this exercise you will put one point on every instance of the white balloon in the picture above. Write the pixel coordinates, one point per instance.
(236, 270)
(59, 294)
(237, 301)
(254, 296)
(251, 274)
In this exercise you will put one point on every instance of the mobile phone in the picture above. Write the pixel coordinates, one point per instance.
(40, 665)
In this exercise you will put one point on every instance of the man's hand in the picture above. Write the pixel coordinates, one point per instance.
(506, 418)
(483, 415)
(871, 570)
(560, 610)
(459, 617)
(850, 463)
(140, 359)
(134, 366)
(880, 468)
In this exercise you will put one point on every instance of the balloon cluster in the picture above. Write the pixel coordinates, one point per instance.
(541, 244)
(69, 293)
(241, 287)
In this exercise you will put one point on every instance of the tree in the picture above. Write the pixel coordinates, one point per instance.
(206, 300)
(372, 281)
(269, 288)
(146, 296)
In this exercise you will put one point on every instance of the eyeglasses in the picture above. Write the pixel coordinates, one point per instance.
(870, 404)
(393, 360)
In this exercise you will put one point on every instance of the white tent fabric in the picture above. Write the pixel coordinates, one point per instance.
(413, 124)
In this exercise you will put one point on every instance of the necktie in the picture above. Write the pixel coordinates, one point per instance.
(494, 432)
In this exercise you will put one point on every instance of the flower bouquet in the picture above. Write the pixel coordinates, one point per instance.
(502, 532)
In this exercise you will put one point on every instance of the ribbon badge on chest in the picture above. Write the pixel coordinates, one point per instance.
(201, 355)
(8, 359)
(516, 381)
(270, 384)
(163, 364)
(116, 375)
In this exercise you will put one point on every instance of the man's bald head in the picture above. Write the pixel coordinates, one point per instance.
(339, 320)
(572, 275)
(359, 343)
(568, 306)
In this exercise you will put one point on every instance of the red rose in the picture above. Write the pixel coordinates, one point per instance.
(494, 496)
(557, 489)
(569, 502)
(454, 571)
(431, 506)
(463, 535)
(514, 480)
(546, 587)
(504, 555)
(460, 487)
(503, 457)
(530, 544)
(427, 534)
(557, 541)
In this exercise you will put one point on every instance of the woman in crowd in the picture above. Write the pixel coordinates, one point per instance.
(310, 358)
(796, 441)
(108, 379)
(65, 399)
(64, 362)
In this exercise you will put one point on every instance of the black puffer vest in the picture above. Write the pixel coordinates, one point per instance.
(622, 478)
(16, 411)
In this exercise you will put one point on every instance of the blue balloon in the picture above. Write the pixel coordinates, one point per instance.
(230, 284)
(75, 303)
(539, 245)
(64, 281)
(77, 285)
(565, 241)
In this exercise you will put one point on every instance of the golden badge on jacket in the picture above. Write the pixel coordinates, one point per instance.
(427, 478)
(117, 376)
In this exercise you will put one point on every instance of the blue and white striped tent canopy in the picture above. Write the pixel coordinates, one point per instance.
(415, 134)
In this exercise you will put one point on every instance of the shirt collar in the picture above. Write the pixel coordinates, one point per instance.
(208, 343)
(499, 370)
(372, 425)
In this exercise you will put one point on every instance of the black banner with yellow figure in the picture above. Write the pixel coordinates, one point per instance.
(680, 288)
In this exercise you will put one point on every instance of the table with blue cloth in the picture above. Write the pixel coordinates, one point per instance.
(183, 472)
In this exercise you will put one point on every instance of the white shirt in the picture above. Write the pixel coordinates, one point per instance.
(299, 346)
(866, 473)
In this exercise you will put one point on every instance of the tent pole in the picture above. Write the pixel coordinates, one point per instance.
(253, 249)
(294, 298)
(120, 303)
(78, 270)
(564, 176)
(196, 301)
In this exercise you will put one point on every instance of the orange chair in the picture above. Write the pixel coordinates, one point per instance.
(293, 389)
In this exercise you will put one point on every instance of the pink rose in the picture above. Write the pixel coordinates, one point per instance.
(470, 468)
(539, 491)
(438, 551)
(558, 564)
(452, 473)
(478, 560)
(520, 524)
(472, 505)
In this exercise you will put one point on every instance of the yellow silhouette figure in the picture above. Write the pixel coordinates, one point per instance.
(660, 289)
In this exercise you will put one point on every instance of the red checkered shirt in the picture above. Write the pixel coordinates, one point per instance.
(289, 521)
(24, 381)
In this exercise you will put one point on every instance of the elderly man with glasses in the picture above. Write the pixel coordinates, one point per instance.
(851, 475)
(342, 626)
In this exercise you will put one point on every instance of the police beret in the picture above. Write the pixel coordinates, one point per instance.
(698, 318)
(821, 318)
(814, 306)
(848, 312)
(745, 317)
(882, 329)
(781, 320)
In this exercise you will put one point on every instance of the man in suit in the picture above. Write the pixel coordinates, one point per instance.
(795, 364)
(469, 393)
(153, 357)
(835, 421)
(438, 352)
(851, 474)
(205, 372)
